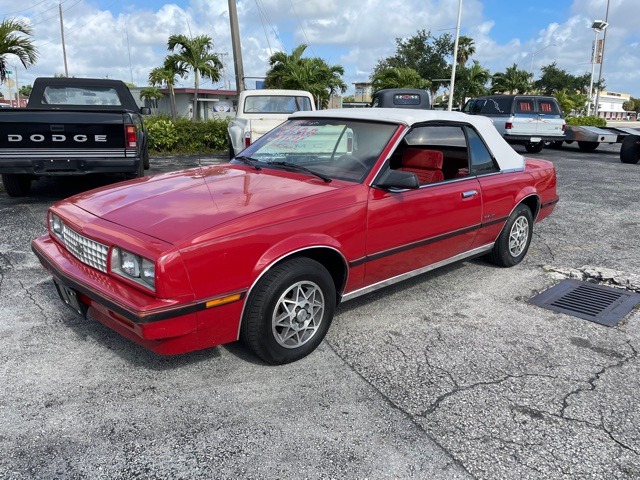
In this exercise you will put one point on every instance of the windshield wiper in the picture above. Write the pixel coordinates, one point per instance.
(252, 162)
(300, 168)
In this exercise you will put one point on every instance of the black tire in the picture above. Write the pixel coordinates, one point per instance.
(145, 158)
(588, 146)
(268, 338)
(139, 172)
(232, 153)
(513, 243)
(534, 147)
(630, 149)
(557, 145)
(16, 185)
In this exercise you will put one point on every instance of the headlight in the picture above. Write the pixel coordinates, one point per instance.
(134, 267)
(56, 225)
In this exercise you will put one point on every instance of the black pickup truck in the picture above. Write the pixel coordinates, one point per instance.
(72, 126)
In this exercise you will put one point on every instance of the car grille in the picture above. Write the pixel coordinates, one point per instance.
(86, 250)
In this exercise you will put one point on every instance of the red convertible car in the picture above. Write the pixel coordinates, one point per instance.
(326, 207)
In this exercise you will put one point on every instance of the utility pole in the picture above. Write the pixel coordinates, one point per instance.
(235, 45)
(64, 51)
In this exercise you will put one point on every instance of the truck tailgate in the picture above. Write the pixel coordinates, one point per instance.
(58, 134)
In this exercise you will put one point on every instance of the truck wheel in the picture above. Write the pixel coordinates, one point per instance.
(588, 146)
(289, 311)
(139, 172)
(145, 159)
(16, 185)
(534, 147)
(630, 149)
(232, 154)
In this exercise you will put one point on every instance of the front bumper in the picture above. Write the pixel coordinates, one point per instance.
(165, 326)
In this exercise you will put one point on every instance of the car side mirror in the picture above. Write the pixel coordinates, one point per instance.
(145, 110)
(398, 179)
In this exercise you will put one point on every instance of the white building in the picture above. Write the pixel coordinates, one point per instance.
(610, 105)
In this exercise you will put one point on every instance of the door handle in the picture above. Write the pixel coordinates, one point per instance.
(469, 193)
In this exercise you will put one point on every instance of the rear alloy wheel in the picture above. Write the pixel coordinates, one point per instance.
(16, 185)
(513, 243)
(588, 146)
(289, 311)
(534, 147)
(630, 149)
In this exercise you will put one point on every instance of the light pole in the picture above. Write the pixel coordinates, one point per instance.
(533, 55)
(597, 26)
(604, 41)
(455, 56)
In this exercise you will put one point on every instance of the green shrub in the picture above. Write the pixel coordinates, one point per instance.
(163, 136)
(587, 121)
(186, 137)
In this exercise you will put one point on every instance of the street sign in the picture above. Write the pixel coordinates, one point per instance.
(10, 83)
(9, 72)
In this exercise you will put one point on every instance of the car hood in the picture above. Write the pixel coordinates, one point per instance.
(176, 206)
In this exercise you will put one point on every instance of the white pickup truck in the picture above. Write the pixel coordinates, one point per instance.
(262, 110)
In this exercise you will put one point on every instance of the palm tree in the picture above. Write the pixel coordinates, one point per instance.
(311, 74)
(398, 78)
(512, 80)
(279, 63)
(13, 41)
(472, 82)
(466, 48)
(195, 54)
(152, 94)
(166, 75)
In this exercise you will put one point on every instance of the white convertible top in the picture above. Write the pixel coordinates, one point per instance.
(507, 157)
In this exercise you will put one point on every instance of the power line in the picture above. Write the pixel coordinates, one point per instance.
(302, 27)
(262, 20)
(23, 10)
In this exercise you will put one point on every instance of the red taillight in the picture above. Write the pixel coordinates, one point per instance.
(131, 136)
(247, 139)
(564, 128)
(508, 126)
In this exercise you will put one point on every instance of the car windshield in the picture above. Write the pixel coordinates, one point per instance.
(276, 104)
(335, 148)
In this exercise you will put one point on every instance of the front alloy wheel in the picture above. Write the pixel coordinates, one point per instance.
(298, 314)
(289, 311)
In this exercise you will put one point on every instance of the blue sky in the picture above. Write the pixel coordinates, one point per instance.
(352, 33)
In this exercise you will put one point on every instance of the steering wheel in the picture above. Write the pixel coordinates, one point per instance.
(252, 110)
(350, 159)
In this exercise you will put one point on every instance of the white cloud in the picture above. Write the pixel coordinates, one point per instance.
(353, 33)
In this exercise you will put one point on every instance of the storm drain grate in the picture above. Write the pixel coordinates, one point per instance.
(596, 303)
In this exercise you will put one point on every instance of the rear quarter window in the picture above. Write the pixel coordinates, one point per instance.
(524, 105)
(493, 106)
(548, 107)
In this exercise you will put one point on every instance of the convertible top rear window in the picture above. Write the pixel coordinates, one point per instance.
(80, 96)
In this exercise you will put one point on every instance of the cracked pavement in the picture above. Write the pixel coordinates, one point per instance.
(449, 375)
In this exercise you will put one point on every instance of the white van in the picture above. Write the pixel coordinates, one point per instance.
(529, 120)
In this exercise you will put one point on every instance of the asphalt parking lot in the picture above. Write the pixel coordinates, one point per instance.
(451, 375)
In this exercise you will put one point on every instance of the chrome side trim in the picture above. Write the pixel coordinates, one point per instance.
(405, 276)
